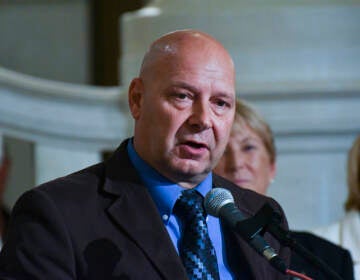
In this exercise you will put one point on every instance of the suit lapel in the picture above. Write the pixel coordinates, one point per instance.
(136, 214)
(238, 256)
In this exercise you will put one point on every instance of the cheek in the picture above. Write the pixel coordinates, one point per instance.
(257, 164)
(222, 128)
(173, 125)
(221, 166)
(163, 117)
(263, 168)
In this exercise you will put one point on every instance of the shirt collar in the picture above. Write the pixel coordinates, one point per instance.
(163, 191)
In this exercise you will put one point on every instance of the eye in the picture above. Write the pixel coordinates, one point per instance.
(180, 99)
(181, 96)
(222, 103)
(249, 147)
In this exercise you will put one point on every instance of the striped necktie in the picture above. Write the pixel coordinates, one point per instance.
(195, 247)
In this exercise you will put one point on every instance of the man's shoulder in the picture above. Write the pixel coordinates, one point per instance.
(91, 184)
(67, 192)
(88, 178)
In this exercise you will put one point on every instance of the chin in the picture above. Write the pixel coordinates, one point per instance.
(189, 171)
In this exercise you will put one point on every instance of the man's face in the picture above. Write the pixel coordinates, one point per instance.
(185, 113)
(246, 162)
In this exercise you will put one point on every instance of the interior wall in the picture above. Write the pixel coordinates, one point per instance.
(21, 174)
(48, 39)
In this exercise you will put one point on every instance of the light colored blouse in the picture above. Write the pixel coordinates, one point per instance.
(345, 233)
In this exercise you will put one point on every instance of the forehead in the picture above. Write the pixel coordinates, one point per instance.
(241, 132)
(195, 70)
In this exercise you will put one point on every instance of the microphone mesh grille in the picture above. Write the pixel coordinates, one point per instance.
(215, 199)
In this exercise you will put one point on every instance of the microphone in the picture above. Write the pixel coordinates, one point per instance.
(219, 203)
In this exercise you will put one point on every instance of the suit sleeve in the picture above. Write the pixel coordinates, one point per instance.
(347, 266)
(37, 244)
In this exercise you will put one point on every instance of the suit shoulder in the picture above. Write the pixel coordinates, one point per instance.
(317, 243)
(76, 185)
(70, 196)
(336, 257)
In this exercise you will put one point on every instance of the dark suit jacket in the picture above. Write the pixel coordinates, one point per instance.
(337, 258)
(101, 223)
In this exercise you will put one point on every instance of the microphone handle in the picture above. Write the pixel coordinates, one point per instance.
(250, 230)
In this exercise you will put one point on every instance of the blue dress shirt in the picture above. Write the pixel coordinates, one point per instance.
(165, 193)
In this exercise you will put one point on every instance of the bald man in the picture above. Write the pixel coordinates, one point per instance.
(115, 220)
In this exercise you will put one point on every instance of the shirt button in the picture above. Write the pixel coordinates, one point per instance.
(165, 217)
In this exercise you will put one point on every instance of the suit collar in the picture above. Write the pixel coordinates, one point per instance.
(119, 170)
(144, 227)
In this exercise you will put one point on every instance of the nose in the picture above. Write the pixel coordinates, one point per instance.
(234, 161)
(201, 116)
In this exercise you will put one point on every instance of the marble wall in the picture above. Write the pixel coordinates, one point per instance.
(48, 39)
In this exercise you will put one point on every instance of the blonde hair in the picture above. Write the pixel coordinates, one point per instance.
(246, 115)
(353, 177)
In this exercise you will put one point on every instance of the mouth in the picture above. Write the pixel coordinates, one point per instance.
(196, 145)
(193, 149)
(242, 182)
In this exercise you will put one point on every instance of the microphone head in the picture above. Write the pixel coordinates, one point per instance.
(215, 199)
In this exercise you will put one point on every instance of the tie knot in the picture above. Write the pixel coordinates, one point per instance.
(189, 205)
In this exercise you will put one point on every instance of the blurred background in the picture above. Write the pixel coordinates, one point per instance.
(65, 66)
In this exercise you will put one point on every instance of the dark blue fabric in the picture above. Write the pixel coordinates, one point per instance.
(195, 247)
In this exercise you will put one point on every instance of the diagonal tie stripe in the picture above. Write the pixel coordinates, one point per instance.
(195, 247)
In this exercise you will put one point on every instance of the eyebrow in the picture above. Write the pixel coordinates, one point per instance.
(249, 138)
(184, 85)
(192, 88)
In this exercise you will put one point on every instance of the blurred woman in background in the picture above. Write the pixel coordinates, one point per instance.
(346, 232)
(250, 162)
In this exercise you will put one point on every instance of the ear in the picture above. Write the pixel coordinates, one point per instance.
(135, 96)
(272, 171)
